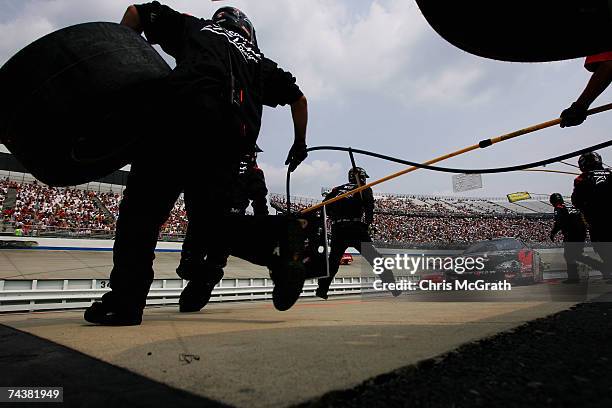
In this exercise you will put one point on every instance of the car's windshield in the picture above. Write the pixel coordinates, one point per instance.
(506, 244)
(484, 246)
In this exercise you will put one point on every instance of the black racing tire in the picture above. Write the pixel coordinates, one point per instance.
(69, 97)
(523, 30)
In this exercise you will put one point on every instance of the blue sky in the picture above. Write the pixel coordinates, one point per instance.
(378, 77)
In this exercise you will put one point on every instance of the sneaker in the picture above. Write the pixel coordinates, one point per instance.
(195, 296)
(288, 271)
(322, 293)
(387, 277)
(100, 313)
(288, 285)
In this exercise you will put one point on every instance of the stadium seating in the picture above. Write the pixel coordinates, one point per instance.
(43, 210)
(424, 219)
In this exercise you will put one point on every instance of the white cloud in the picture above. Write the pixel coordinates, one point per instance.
(338, 55)
(307, 179)
(17, 33)
(451, 85)
(374, 67)
(335, 52)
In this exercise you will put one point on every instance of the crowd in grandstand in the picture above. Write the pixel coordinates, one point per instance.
(432, 219)
(4, 184)
(40, 209)
(437, 205)
(176, 226)
(408, 228)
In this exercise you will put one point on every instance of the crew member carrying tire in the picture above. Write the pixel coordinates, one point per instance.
(207, 112)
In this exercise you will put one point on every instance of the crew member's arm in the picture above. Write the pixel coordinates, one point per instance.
(299, 114)
(280, 88)
(333, 207)
(131, 19)
(331, 194)
(600, 80)
(601, 66)
(160, 24)
(557, 227)
(579, 193)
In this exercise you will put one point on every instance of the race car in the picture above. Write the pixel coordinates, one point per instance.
(503, 258)
(346, 259)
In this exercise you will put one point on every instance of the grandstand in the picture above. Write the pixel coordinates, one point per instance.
(429, 218)
(90, 210)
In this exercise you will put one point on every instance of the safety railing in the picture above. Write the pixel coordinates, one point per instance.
(57, 294)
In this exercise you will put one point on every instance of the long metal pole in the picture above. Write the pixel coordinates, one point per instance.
(482, 144)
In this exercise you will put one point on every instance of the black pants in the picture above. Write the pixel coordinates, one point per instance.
(190, 148)
(345, 235)
(573, 252)
(601, 237)
(604, 250)
(250, 238)
(199, 257)
(150, 195)
(205, 242)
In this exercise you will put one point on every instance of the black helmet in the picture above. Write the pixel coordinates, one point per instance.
(590, 161)
(235, 20)
(556, 198)
(360, 172)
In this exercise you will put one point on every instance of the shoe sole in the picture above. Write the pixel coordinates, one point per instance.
(289, 281)
(96, 315)
(288, 288)
(186, 306)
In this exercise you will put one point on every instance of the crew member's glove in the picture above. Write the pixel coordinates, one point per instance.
(574, 115)
(296, 155)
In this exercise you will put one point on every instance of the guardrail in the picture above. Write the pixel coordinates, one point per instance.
(57, 294)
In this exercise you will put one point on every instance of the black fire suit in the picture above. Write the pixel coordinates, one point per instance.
(199, 122)
(350, 219)
(592, 195)
(569, 221)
